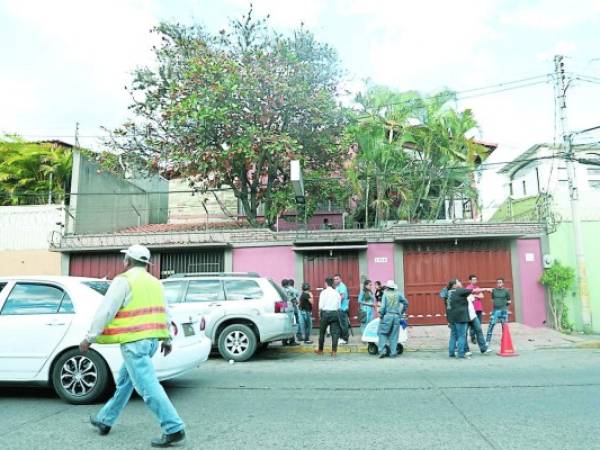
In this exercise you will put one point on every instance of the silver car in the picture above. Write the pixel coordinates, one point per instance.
(243, 311)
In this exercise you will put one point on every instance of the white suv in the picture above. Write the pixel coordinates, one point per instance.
(243, 311)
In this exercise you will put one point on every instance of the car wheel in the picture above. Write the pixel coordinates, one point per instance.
(372, 348)
(237, 342)
(80, 378)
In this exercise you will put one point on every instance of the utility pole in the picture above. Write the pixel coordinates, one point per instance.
(582, 280)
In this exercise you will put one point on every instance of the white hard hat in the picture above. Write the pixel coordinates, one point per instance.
(139, 253)
(391, 285)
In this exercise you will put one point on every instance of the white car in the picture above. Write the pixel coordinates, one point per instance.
(42, 321)
(243, 311)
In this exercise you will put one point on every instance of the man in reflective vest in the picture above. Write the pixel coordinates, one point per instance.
(133, 314)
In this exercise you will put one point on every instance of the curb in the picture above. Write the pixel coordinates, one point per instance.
(588, 344)
(345, 348)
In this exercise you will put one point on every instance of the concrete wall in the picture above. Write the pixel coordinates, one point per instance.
(102, 202)
(272, 262)
(28, 227)
(532, 299)
(24, 235)
(29, 262)
(562, 248)
(187, 208)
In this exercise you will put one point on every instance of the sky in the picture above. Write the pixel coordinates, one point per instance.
(64, 61)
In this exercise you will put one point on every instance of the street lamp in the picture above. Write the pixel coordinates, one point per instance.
(298, 186)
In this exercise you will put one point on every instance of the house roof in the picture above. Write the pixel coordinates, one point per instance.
(524, 159)
(528, 156)
(263, 236)
(184, 227)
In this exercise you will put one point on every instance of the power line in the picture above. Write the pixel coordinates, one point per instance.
(484, 166)
(492, 88)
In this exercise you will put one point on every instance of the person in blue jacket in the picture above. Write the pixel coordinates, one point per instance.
(393, 305)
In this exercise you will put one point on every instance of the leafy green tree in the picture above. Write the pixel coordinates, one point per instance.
(559, 280)
(234, 109)
(29, 171)
(414, 151)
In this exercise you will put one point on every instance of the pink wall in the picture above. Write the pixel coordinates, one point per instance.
(271, 262)
(381, 269)
(533, 299)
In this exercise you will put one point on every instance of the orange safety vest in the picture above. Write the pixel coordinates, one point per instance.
(145, 315)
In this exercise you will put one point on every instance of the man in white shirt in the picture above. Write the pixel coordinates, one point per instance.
(329, 310)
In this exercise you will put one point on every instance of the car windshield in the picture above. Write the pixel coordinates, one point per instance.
(100, 286)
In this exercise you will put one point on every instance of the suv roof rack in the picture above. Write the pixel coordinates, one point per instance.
(215, 274)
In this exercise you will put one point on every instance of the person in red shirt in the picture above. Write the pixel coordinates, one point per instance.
(478, 304)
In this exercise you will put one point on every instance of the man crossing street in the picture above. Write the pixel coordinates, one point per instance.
(134, 315)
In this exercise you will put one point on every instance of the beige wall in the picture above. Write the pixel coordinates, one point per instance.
(29, 262)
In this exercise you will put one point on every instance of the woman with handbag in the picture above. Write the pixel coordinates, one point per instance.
(366, 301)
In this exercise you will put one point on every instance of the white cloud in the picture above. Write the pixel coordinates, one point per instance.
(90, 49)
(285, 14)
(412, 43)
(553, 14)
(561, 48)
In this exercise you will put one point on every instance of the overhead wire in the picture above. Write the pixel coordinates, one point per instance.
(488, 90)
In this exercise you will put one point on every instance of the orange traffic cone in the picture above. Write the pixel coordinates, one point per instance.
(506, 346)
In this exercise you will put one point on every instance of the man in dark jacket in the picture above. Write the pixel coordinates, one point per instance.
(457, 311)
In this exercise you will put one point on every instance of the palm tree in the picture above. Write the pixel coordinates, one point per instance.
(414, 148)
(30, 171)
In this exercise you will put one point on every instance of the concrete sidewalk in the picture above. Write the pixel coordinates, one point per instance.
(435, 338)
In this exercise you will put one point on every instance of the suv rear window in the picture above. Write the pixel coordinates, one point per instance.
(243, 290)
(204, 291)
(279, 290)
(101, 287)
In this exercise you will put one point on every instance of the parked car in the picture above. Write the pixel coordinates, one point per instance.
(42, 321)
(243, 311)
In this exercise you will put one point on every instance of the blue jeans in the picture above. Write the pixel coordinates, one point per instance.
(299, 322)
(458, 339)
(392, 321)
(138, 372)
(475, 325)
(498, 315)
(305, 324)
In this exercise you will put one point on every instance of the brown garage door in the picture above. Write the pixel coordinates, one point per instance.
(104, 265)
(319, 265)
(429, 265)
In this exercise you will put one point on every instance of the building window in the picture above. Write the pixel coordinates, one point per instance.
(593, 174)
(562, 174)
(524, 188)
(594, 184)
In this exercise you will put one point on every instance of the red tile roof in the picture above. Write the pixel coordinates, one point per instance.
(184, 227)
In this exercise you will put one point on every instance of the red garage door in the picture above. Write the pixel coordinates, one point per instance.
(429, 265)
(104, 265)
(319, 265)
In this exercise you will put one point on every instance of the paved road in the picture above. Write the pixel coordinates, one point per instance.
(539, 400)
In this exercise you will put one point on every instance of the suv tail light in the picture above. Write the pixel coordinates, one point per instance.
(202, 324)
(280, 306)
(174, 328)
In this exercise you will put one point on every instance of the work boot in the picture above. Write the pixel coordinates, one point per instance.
(102, 428)
(169, 440)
